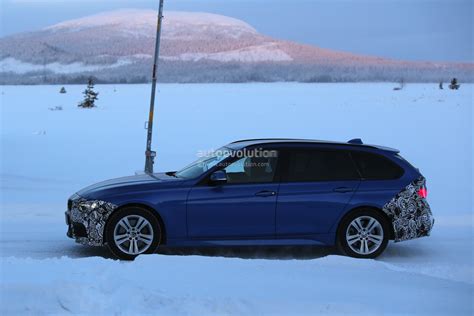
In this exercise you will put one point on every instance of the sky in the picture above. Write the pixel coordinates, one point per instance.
(432, 30)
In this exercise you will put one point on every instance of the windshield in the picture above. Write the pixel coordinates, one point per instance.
(203, 164)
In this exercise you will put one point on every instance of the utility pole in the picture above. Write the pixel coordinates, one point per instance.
(149, 154)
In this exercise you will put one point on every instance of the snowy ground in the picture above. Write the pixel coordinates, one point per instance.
(48, 155)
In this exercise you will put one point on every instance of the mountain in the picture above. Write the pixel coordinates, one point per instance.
(118, 46)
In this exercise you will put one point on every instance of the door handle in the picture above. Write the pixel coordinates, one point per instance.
(265, 193)
(343, 190)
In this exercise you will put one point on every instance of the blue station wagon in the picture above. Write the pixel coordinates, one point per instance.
(260, 192)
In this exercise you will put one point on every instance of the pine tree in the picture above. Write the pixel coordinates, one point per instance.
(63, 90)
(90, 96)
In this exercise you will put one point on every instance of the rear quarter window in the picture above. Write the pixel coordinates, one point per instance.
(307, 165)
(376, 167)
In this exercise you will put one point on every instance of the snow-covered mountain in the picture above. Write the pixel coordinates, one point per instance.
(117, 46)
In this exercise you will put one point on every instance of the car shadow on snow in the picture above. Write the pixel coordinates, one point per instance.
(410, 249)
(253, 252)
(80, 251)
(246, 252)
(393, 252)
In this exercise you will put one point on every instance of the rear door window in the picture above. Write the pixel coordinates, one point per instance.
(307, 165)
(376, 167)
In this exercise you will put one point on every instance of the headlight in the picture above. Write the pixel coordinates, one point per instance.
(72, 201)
(87, 206)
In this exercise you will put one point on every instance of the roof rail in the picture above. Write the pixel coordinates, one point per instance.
(352, 142)
(266, 139)
(356, 141)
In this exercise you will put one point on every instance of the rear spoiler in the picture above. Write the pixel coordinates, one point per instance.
(358, 141)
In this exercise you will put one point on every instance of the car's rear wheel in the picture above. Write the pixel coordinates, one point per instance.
(363, 234)
(133, 231)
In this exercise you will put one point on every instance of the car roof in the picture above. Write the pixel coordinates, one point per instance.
(356, 142)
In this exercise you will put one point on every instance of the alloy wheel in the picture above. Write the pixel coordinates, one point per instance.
(133, 234)
(364, 235)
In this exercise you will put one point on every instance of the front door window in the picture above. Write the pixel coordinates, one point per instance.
(252, 170)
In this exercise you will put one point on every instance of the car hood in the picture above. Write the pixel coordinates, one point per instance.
(128, 182)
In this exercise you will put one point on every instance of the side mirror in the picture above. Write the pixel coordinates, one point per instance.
(219, 177)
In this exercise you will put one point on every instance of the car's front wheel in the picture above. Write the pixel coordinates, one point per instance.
(133, 231)
(363, 234)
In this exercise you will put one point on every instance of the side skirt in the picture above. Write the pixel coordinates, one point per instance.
(315, 240)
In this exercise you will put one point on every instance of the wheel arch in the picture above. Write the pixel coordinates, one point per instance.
(144, 206)
(367, 207)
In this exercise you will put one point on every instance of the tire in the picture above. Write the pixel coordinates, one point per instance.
(133, 231)
(356, 239)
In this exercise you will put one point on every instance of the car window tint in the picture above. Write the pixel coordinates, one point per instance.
(320, 165)
(251, 170)
(376, 167)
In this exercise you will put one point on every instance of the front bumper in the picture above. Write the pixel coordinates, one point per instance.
(410, 214)
(87, 224)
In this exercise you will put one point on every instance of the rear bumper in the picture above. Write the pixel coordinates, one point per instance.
(410, 214)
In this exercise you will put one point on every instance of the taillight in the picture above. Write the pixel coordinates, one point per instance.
(423, 192)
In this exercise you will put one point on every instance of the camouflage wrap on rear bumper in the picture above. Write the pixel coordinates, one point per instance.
(93, 218)
(410, 214)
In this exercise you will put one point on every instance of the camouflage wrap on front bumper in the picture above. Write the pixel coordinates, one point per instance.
(93, 218)
(410, 214)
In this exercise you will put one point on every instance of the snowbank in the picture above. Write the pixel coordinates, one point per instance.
(175, 285)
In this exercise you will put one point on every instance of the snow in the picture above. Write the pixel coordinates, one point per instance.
(10, 64)
(141, 22)
(176, 285)
(256, 53)
(203, 18)
(43, 272)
